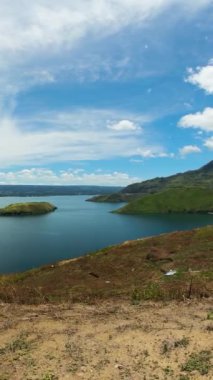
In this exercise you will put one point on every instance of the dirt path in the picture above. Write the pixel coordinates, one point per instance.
(107, 341)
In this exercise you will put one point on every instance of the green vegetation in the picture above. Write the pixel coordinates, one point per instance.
(168, 371)
(201, 178)
(49, 376)
(184, 377)
(210, 315)
(169, 345)
(31, 208)
(200, 362)
(189, 200)
(19, 344)
(136, 297)
(134, 270)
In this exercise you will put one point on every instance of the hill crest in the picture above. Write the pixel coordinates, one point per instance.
(202, 177)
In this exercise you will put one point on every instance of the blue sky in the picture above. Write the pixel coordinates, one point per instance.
(104, 92)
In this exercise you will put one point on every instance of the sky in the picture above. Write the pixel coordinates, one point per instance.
(104, 92)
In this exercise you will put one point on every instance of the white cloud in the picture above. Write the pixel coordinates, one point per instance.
(36, 25)
(209, 143)
(42, 38)
(202, 77)
(150, 153)
(44, 176)
(188, 149)
(124, 125)
(34, 35)
(201, 120)
(77, 135)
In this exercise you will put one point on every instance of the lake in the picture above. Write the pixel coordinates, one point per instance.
(76, 228)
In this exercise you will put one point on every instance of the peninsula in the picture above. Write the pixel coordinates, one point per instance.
(184, 200)
(201, 178)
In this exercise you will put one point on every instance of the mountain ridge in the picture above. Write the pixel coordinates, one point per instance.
(201, 178)
(193, 176)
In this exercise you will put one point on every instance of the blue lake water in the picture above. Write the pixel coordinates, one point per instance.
(75, 228)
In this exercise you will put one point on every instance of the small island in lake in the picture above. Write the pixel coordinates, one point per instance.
(29, 208)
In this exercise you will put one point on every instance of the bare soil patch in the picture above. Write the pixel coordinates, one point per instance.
(108, 340)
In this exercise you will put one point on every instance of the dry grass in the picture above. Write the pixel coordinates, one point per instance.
(96, 317)
(109, 340)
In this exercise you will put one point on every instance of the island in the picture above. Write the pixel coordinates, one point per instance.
(29, 208)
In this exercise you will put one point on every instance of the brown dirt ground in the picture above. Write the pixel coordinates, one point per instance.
(109, 340)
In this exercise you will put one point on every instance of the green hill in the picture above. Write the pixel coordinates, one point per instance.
(201, 178)
(30, 208)
(189, 200)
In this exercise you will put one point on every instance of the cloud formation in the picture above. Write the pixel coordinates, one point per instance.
(202, 77)
(200, 120)
(78, 135)
(43, 176)
(46, 42)
(43, 23)
(188, 149)
(49, 29)
(124, 126)
(209, 143)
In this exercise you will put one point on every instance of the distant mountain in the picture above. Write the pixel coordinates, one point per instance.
(185, 200)
(34, 190)
(201, 178)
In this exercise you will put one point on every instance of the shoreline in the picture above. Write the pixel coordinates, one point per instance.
(133, 270)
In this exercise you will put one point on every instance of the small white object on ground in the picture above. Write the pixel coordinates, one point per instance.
(171, 272)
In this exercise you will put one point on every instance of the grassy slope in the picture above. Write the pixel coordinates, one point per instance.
(201, 178)
(173, 200)
(30, 208)
(132, 270)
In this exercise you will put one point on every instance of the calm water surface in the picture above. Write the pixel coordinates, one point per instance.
(76, 228)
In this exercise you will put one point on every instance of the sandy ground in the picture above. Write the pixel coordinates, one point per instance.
(106, 341)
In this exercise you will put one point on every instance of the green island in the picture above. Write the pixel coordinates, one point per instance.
(28, 208)
(184, 200)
